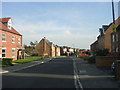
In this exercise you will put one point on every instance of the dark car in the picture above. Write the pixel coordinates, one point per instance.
(114, 66)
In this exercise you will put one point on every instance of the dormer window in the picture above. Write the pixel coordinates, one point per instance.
(9, 24)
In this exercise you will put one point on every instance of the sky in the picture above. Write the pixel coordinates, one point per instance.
(74, 24)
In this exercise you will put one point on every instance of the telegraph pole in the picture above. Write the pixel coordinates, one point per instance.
(113, 14)
(114, 28)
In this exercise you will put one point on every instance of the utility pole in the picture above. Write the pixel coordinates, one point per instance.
(113, 13)
(114, 27)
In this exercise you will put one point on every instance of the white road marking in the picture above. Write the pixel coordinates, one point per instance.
(77, 82)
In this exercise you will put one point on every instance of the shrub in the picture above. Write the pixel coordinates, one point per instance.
(7, 61)
(91, 59)
(35, 54)
(103, 52)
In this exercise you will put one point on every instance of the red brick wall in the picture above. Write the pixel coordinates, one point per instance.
(118, 72)
(105, 61)
(108, 35)
(9, 45)
(0, 43)
(43, 48)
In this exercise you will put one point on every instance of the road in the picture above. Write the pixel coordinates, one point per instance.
(67, 72)
(57, 73)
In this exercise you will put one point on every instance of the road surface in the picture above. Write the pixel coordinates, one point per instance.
(57, 73)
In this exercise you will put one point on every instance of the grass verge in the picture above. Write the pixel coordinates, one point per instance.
(22, 61)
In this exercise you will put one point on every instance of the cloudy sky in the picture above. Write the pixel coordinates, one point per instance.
(74, 24)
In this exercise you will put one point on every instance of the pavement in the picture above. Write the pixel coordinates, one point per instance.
(18, 67)
(92, 77)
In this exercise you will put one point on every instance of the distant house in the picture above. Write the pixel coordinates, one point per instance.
(11, 40)
(47, 48)
(65, 50)
(57, 51)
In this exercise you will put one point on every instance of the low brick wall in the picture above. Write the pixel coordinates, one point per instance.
(105, 61)
(118, 72)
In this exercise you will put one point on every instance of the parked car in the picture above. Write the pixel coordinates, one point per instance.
(114, 66)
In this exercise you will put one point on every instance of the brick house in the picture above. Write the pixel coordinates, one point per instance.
(110, 42)
(11, 40)
(108, 39)
(94, 46)
(47, 48)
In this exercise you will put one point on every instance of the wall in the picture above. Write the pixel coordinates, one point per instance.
(53, 51)
(0, 43)
(43, 48)
(101, 42)
(108, 35)
(118, 72)
(105, 61)
(57, 51)
(9, 45)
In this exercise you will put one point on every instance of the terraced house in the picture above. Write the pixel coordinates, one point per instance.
(10, 40)
(108, 39)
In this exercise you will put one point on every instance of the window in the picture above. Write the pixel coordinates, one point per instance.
(113, 38)
(113, 48)
(4, 52)
(13, 52)
(3, 37)
(18, 39)
(117, 37)
(13, 39)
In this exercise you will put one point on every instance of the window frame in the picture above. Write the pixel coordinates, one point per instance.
(13, 53)
(13, 39)
(4, 52)
(4, 37)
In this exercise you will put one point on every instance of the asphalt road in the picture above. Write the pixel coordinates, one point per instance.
(57, 73)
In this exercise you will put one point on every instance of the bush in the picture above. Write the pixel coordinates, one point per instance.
(103, 52)
(34, 54)
(7, 61)
(91, 60)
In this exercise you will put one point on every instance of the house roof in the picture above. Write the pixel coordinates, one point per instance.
(3, 27)
(49, 43)
(118, 28)
(4, 19)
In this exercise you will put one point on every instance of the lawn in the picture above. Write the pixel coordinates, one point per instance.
(22, 61)
(27, 60)
(33, 58)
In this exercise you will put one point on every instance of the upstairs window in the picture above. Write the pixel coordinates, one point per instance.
(3, 37)
(18, 39)
(13, 39)
(117, 37)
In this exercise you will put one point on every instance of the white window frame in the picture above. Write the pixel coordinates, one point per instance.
(13, 53)
(117, 37)
(13, 39)
(113, 38)
(4, 53)
(4, 37)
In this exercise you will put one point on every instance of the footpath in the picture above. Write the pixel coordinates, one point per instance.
(23, 66)
(92, 77)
